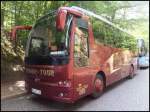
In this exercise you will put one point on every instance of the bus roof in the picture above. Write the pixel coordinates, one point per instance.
(89, 13)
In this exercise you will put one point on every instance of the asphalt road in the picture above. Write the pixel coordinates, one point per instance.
(130, 95)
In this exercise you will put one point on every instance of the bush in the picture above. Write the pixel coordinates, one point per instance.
(7, 49)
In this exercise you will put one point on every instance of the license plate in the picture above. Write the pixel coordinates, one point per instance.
(36, 91)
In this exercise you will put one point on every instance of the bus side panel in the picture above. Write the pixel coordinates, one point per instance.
(109, 63)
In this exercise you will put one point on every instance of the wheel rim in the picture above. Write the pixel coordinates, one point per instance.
(98, 85)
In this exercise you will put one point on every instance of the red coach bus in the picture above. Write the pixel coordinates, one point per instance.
(63, 62)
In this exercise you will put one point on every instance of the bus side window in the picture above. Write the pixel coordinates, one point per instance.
(81, 49)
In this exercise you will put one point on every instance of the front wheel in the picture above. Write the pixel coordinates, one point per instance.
(98, 86)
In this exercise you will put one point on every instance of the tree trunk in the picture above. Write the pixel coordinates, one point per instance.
(15, 20)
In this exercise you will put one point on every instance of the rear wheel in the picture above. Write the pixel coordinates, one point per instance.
(98, 86)
(131, 72)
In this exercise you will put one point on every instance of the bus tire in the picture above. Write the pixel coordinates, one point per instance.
(131, 74)
(98, 86)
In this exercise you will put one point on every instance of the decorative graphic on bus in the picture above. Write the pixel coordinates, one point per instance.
(81, 89)
(47, 72)
(41, 72)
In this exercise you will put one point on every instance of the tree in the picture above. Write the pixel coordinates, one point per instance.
(27, 12)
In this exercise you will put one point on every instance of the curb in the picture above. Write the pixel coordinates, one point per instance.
(13, 96)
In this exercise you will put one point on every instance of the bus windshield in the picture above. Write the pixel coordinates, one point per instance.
(45, 40)
(47, 45)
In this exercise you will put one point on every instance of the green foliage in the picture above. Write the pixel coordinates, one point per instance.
(7, 50)
(27, 12)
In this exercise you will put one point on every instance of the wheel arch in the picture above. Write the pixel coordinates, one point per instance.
(103, 75)
(132, 65)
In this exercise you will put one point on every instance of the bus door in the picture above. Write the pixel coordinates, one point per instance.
(82, 70)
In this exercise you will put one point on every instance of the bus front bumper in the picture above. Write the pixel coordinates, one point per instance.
(51, 91)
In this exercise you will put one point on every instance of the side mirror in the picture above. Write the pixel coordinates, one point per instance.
(61, 19)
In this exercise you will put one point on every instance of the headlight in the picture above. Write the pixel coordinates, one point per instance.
(65, 83)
